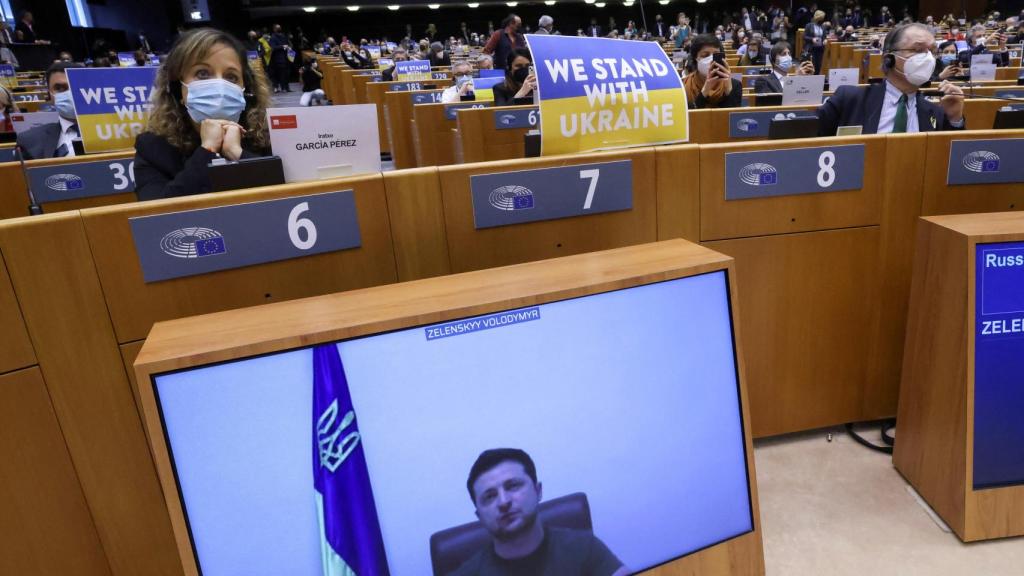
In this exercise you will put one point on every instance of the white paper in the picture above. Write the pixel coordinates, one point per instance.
(843, 77)
(983, 72)
(981, 59)
(802, 90)
(313, 141)
(23, 121)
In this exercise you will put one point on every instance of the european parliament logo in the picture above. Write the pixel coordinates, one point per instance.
(195, 242)
(507, 119)
(759, 174)
(64, 182)
(511, 198)
(747, 125)
(982, 161)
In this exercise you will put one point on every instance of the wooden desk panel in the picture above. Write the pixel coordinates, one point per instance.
(50, 262)
(14, 200)
(135, 305)
(15, 347)
(722, 219)
(809, 303)
(942, 199)
(434, 135)
(678, 184)
(398, 107)
(480, 141)
(473, 249)
(13, 192)
(720, 124)
(417, 223)
(46, 527)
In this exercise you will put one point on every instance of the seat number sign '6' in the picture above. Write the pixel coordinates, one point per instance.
(206, 240)
(767, 173)
(549, 193)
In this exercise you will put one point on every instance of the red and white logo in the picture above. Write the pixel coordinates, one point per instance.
(284, 122)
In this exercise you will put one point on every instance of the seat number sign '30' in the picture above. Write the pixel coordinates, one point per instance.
(195, 242)
(549, 193)
(69, 181)
(767, 173)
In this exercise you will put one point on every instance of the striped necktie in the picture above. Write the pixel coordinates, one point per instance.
(899, 124)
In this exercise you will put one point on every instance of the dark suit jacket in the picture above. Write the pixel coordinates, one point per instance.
(161, 171)
(767, 84)
(594, 31)
(40, 142)
(862, 106)
(28, 35)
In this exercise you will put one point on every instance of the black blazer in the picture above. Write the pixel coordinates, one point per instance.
(733, 100)
(768, 84)
(862, 106)
(504, 95)
(161, 171)
(40, 142)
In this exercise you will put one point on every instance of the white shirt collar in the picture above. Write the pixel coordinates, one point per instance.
(65, 124)
(892, 96)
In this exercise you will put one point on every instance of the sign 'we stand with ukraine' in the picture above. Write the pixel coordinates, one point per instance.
(112, 105)
(600, 93)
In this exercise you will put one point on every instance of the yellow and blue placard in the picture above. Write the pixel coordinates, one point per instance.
(600, 93)
(408, 70)
(112, 105)
(8, 76)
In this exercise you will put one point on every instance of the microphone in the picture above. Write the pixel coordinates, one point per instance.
(940, 94)
(34, 209)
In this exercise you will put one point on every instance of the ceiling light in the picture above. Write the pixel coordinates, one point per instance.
(433, 6)
(473, 4)
(588, 1)
(627, 3)
(393, 7)
(549, 2)
(511, 4)
(309, 9)
(663, 2)
(353, 8)
(599, 4)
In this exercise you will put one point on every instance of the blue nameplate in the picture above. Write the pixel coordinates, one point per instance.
(550, 193)
(405, 86)
(998, 365)
(29, 97)
(8, 155)
(427, 97)
(1010, 93)
(450, 110)
(438, 75)
(767, 173)
(524, 118)
(224, 237)
(995, 161)
(755, 124)
(470, 325)
(81, 179)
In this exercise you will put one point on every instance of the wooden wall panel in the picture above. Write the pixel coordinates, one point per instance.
(15, 346)
(416, 212)
(721, 219)
(678, 184)
(54, 277)
(808, 302)
(135, 305)
(45, 527)
(473, 249)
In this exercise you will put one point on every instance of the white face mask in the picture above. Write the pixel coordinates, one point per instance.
(784, 63)
(704, 65)
(918, 68)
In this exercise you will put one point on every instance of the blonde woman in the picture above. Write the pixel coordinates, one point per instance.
(207, 103)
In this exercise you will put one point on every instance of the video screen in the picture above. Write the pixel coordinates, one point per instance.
(600, 434)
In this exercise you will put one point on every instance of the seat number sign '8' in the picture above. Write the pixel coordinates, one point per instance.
(206, 240)
(767, 173)
(548, 193)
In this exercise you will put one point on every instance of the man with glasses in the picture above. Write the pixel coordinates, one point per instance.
(896, 105)
(462, 88)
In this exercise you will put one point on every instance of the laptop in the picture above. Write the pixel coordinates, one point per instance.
(246, 173)
(1008, 119)
(787, 128)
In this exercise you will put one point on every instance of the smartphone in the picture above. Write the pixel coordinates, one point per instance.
(719, 58)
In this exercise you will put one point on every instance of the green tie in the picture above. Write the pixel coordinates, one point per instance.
(899, 125)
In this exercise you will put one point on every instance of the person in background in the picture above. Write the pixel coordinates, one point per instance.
(503, 42)
(6, 37)
(709, 84)
(948, 65)
(594, 30)
(885, 17)
(896, 105)
(546, 25)
(438, 56)
(781, 59)
(519, 84)
(64, 56)
(207, 103)
(280, 67)
(630, 32)
(54, 140)
(354, 58)
(462, 89)
(24, 30)
(847, 34)
(142, 43)
(6, 109)
(398, 56)
(140, 58)
(661, 30)
(682, 30)
(310, 75)
(754, 54)
(814, 39)
(252, 42)
(979, 45)
(484, 62)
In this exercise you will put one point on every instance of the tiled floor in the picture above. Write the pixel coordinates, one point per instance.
(838, 508)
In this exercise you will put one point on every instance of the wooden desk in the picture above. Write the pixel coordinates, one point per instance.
(480, 141)
(398, 113)
(936, 447)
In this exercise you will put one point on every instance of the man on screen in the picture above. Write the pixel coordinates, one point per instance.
(504, 488)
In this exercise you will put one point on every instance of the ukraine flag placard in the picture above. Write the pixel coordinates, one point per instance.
(600, 93)
(112, 105)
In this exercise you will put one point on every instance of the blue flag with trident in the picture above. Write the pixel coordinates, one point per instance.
(350, 536)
